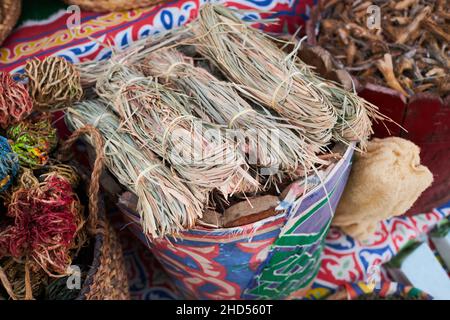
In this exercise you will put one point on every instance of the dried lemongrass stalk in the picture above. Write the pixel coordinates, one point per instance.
(270, 143)
(166, 205)
(250, 58)
(132, 54)
(355, 114)
(160, 119)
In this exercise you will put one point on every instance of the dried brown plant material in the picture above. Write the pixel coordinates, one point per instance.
(54, 83)
(318, 57)
(404, 64)
(250, 210)
(387, 69)
(415, 33)
(413, 26)
(9, 14)
(433, 27)
(404, 4)
(211, 219)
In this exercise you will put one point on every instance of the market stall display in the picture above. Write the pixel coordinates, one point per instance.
(315, 179)
(261, 210)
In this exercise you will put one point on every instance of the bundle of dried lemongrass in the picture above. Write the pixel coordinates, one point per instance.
(130, 55)
(270, 142)
(250, 58)
(159, 118)
(355, 114)
(166, 204)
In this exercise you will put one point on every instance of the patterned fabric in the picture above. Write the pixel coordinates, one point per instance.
(385, 290)
(148, 280)
(347, 260)
(53, 37)
(294, 258)
(271, 258)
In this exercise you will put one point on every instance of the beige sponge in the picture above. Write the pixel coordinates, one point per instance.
(385, 181)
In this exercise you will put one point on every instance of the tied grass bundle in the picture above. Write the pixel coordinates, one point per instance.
(355, 114)
(9, 164)
(54, 83)
(133, 54)
(15, 101)
(267, 75)
(33, 140)
(166, 205)
(270, 143)
(161, 119)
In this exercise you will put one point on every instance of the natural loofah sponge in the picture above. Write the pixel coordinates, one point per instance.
(385, 181)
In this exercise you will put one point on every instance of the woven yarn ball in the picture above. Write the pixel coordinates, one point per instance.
(47, 225)
(54, 83)
(15, 102)
(33, 140)
(9, 164)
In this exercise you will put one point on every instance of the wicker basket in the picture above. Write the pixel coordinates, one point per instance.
(9, 14)
(107, 278)
(112, 5)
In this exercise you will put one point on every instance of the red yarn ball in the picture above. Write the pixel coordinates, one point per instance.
(46, 220)
(15, 101)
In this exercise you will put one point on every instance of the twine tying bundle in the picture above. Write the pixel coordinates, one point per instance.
(270, 143)
(9, 164)
(33, 140)
(160, 118)
(166, 205)
(54, 83)
(267, 75)
(15, 101)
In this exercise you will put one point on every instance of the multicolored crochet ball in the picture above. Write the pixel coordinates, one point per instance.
(9, 164)
(54, 83)
(15, 101)
(33, 140)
